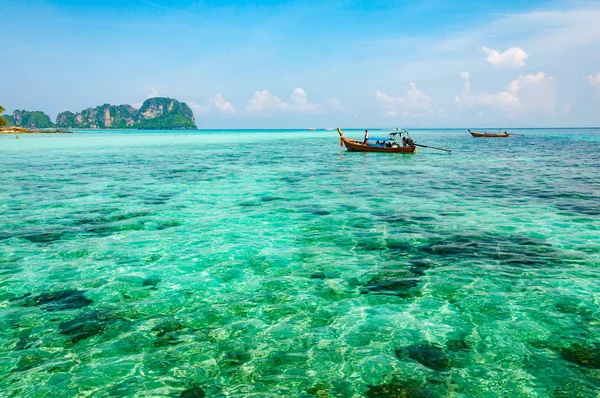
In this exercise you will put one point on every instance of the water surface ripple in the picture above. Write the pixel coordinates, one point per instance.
(274, 264)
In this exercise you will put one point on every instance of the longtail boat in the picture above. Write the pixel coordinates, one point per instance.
(375, 144)
(489, 135)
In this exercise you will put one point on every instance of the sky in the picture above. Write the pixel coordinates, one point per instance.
(300, 64)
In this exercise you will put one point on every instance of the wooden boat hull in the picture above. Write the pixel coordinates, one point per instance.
(358, 146)
(483, 135)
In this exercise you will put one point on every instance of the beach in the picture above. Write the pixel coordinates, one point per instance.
(20, 130)
(274, 263)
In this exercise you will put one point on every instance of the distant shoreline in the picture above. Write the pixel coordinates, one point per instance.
(328, 131)
(15, 130)
(20, 130)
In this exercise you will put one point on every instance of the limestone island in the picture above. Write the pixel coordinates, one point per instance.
(158, 113)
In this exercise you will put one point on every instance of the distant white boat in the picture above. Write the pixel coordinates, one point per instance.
(329, 129)
(311, 129)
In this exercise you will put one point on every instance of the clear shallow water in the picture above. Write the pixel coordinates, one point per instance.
(277, 264)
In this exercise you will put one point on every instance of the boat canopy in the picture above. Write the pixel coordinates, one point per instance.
(394, 135)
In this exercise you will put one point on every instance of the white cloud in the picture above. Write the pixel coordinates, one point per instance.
(593, 80)
(531, 93)
(263, 102)
(153, 94)
(300, 101)
(466, 92)
(197, 108)
(566, 108)
(334, 103)
(416, 103)
(551, 31)
(299, 97)
(536, 92)
(514, 57)
(217, 102)
(505, 99)
(386, 100)
(417, 100)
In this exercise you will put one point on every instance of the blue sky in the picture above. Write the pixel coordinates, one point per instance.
(282, 64)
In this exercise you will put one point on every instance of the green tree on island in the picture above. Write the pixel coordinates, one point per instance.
(3, 121)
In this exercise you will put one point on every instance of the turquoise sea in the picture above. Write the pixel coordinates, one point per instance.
(276, 264)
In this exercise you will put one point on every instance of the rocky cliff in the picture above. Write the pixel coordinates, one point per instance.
(101, 117)
(155, 113)
(29, 120)
(162, 113)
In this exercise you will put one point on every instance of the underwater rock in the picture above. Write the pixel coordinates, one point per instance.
(320, 390)
(429, 355)
(25, 341)
(398, 246)
(157, 198)
(249, 203)
(110, 219)
(237, 357)
(85, 325)
(571, 389)
(423, 218)
(167, 327)
(12, 299)
(392, 285)
(576, 308)
(108, 230)
(370, 245)
(396, 390)
(31, 360)
(168, 224)
(59, 301)
(270, 198)
(234, 353)
(457, 345)
(587, 209)
(292, 179)
(152, 258)
(166, 333)
(166, 340)
(419, 266)
(152, 282)
(583, 355)
(515, 250)
(195, 392)
(399, 220)
(446, 249)
(44, 238)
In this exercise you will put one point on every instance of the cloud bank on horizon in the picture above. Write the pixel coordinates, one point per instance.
(286, 64)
